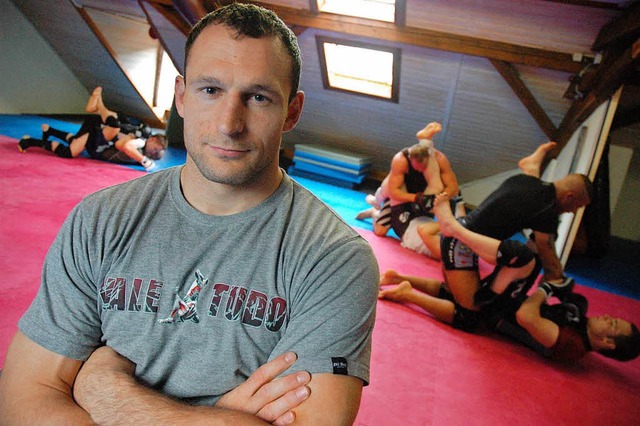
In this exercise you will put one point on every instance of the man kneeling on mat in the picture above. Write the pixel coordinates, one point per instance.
(561, 331)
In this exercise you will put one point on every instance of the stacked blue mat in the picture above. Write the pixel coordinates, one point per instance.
(329, 165)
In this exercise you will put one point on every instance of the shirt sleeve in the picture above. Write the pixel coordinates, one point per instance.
(63, 317)
(333, 313)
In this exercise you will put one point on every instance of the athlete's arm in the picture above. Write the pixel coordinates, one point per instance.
(107, 389)
(334, 400)
(36, 386)
(545, 243)
(396, 186)
(127, 144)
(545, 331)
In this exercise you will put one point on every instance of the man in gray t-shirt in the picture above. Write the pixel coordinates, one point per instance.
(202, 283)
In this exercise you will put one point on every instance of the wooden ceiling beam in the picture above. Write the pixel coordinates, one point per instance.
(621, 31)
(587, 3)
(512, 77)
(490, 49)
(171, 15)
(610, 77)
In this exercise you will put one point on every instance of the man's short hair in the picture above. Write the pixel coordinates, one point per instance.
(162, 139)
(255, 22)
(419, 152)
(588, 185)
(627, 346)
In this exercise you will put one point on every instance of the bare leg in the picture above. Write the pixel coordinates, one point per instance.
(94, 100)
(96, 105)
(432, 176)
(441, 309)
(430, 235)
(426, 285)
(366, 213)
(77, 145)
(531, 164)
(485, 247)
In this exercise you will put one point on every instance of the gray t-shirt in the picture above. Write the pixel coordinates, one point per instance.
(199, 302)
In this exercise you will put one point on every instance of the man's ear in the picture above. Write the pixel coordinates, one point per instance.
(606, 343)
(610, 343)
(179, 89)
(293, 112)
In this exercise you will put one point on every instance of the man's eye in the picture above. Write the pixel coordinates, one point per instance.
(260, 98)
(210, 90)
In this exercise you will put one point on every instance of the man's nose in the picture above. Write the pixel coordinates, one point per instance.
(232, 116)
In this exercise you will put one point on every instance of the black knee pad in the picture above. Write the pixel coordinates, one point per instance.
(513, 254)
(467, 320)
(63, 151)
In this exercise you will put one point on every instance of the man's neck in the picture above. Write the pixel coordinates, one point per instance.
(221, 199)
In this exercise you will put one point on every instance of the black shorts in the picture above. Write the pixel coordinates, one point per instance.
(463, 318)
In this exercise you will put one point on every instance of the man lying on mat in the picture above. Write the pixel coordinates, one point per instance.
(560, 331)
(203, 320)
(104, 137)
(404, 199)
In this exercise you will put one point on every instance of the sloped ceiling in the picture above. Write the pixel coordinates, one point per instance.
(495, 73)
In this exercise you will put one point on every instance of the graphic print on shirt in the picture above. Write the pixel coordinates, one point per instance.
(233, 303)
(186, 309)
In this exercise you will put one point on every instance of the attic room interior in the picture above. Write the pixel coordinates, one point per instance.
(484, 70)
(502, 77)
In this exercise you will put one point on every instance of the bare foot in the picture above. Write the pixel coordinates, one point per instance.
(442, 210)
(92, 104)
(531, 164)
(390, 277)
(400, 293)
(365, 214)
(430, 130)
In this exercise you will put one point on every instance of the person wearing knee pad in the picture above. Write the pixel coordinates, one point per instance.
(561, 331)
(101, 134)
(524, 202)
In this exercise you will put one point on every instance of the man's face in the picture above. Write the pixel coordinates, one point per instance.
(235, 106)
(605, 327)
(153, 148)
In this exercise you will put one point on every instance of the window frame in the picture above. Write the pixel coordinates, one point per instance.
(399, 19)
(397, 59)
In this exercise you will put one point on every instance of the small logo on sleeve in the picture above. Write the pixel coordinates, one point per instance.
(339, 365)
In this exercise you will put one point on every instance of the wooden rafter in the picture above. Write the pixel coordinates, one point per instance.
(621, 31)
(610, 77)
(170, 14)
(506, 52)
(512, 77)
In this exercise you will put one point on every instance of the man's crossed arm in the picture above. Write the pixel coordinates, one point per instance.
(38, 386)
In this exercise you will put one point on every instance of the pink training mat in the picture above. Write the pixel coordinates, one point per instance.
(422, 372)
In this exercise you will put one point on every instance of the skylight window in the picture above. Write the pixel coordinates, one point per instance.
(381, 10)
(360, 68)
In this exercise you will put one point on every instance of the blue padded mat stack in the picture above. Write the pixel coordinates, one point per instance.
(329, 165)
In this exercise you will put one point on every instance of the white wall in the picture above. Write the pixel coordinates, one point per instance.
(625, 222)
(33, 78)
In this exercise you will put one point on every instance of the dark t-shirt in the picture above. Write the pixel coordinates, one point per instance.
(521, 202)
(572, 343)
